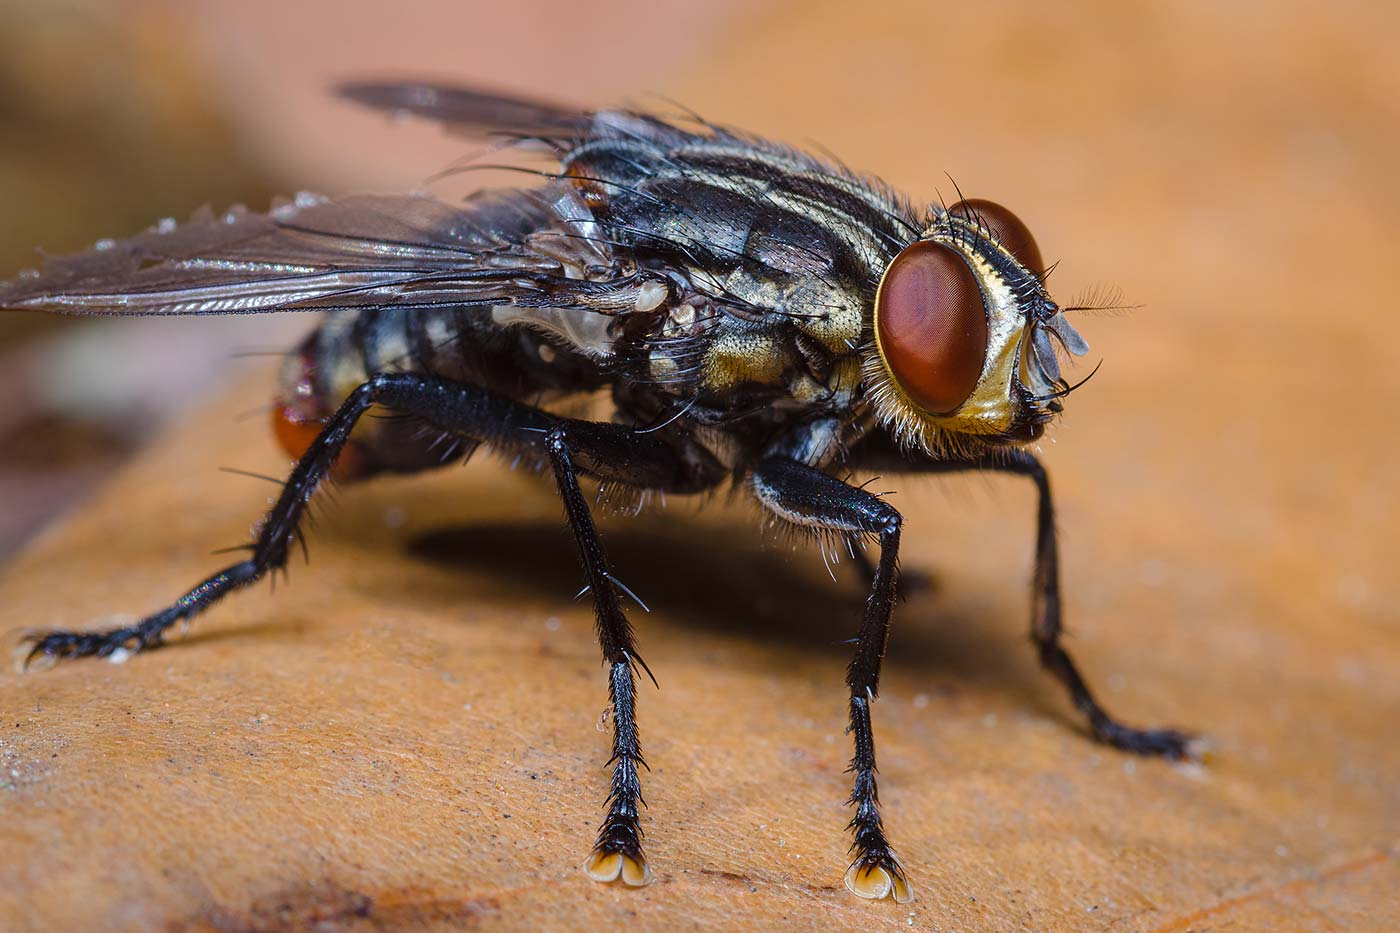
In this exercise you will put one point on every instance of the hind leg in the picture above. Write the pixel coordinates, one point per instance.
(471, 412)
(805, 496)
(608, 451)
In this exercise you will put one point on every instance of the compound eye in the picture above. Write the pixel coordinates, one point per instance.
(1006, 228)
(931, 326)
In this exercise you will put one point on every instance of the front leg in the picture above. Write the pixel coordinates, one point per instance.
(808, 497)
(1047, 624)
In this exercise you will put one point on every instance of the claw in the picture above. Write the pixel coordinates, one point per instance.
(41, 649)
(611, 866)
(877, 881)
(1162, 743)
(31, 653)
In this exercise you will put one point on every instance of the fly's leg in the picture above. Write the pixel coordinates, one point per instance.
(268, 553)
(1046, 618)
(614, 453)
(1047, 626)
(806, 496)
(618, 852)
(611, 452)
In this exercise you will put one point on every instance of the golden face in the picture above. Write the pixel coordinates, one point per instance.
(963, 349)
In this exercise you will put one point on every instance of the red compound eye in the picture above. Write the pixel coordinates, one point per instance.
(1006, 228)
(931, 326)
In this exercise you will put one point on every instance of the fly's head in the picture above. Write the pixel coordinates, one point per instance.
(965, 336)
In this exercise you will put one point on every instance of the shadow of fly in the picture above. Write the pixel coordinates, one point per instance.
(759, 317)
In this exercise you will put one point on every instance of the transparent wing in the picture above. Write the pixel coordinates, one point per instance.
(468, 110)
(314, 254)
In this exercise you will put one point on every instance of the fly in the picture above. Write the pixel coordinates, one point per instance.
(760, 317)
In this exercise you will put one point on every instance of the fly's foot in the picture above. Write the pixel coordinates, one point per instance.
(1162, 743)
(42, 649)
(877, 874)
(617, 855)
(626, 864)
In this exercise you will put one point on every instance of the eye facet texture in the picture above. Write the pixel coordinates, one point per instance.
(1006, 228)
(931, 326)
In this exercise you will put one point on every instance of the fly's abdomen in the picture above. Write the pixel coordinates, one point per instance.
(344, 351)
(297, 413)
(471, 345)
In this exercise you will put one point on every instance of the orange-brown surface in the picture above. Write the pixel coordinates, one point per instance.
(405, 736)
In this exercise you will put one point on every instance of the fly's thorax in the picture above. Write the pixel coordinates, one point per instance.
(805, 327)
(744, 356)
(780, 359)
(774, 238)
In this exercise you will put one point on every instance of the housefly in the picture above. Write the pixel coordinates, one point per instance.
(758, 316)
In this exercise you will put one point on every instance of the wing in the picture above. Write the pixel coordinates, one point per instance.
(311, 254)
(467, 110)
(475, 112)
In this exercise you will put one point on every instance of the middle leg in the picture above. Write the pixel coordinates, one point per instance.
(612, 453)
(617, 854)
(806, 496)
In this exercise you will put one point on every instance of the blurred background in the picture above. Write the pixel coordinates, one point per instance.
(1227, 483)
